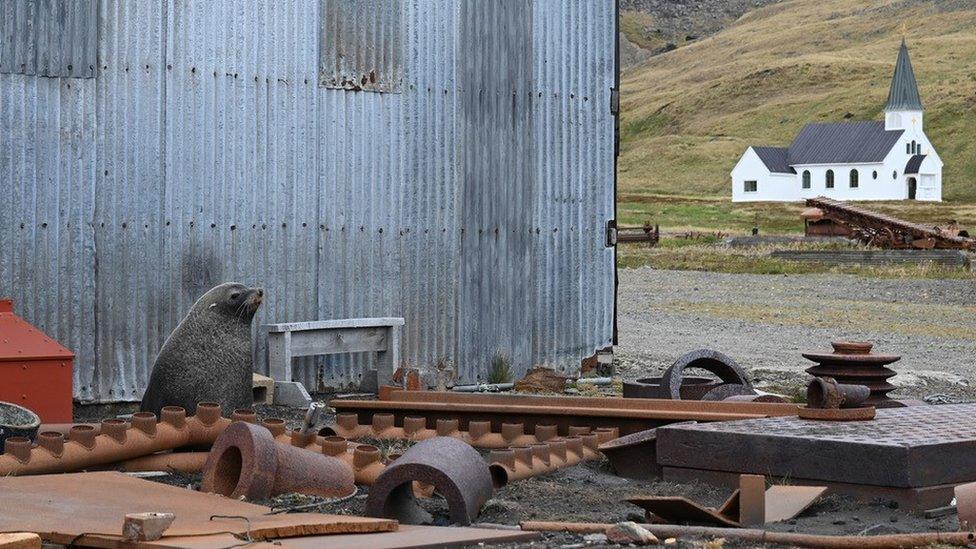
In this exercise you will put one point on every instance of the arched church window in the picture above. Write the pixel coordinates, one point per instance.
(806, 179)
(914, 147)
(854, 179)
(874, 175)
(829, 183)
(894, 174)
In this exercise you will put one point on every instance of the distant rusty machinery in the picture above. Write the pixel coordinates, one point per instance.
(853, 363)
(455, 470)
(734, 378)
(245, 461)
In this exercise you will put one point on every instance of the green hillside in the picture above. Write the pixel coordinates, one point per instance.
(689, 114)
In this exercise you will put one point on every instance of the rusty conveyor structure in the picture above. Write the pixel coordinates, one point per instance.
(877, 229)
(628, 414)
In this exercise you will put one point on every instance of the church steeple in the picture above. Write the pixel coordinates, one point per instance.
(903, 95)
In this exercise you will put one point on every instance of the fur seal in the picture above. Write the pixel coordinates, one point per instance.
(208, 356)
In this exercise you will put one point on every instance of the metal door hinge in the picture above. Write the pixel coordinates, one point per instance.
(614, 101)
(611, 233)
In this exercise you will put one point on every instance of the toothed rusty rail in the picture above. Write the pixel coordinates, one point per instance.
(630, 415)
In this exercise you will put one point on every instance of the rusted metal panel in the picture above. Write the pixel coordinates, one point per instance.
(56, 38)
(360, 45)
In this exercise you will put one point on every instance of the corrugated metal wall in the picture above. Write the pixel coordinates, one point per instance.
(472, 202)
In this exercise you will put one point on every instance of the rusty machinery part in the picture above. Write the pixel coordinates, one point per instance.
(628, 414)
(826, 393)
(706, 359)
(17, 421)
(883, 230)
(178, 462)
(521, 462)
(479, 433)
(455, 470)
(246, 461)
(635, 455)
(853, 363)
(692, 388)
(117, 440)
(864, 413)
(763, 537)
(247, 415)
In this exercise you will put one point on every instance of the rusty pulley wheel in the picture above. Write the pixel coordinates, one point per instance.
(715, 362)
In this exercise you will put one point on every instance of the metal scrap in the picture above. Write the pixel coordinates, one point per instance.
(828, 217)
(853, 363)
(722, 365)
(455, 470)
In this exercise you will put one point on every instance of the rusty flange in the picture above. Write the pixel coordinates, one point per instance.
(455, 470)
(713, 361)
(246, 461)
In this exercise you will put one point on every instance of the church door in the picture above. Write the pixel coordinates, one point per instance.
(912, 187)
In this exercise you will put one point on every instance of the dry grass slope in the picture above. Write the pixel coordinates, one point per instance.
(689, 114)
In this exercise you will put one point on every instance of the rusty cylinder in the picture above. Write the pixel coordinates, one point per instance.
(826, 393)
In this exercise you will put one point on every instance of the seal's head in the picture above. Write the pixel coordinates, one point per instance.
(234, 300)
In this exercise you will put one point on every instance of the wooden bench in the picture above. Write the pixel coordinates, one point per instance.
(332, 337)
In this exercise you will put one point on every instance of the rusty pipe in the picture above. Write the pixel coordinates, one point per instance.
(116, 440)
(763, 537)
(247, 461)
(521, 462)
(826, 393)
(65, 428)
(180, 462)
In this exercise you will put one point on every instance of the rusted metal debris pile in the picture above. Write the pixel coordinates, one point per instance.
(828, 217)
(649, 233)
(849, 438)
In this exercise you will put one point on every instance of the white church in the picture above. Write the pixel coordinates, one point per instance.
(890, 160)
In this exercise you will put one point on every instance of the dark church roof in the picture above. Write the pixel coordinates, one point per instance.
(914, 163)
(903, 94)
(775, 158)
(843, 143)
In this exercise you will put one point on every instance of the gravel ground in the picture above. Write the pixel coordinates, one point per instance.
(765, 321)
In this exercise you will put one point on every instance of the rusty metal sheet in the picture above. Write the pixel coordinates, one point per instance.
(97, 502)
(752, 500)
(679, 510)
(917, 446)
(784, 502)
(966, 504)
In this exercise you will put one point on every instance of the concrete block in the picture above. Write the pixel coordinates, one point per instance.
(263, 388)
(291, 393)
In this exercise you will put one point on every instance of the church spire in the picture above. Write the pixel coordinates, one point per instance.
(903, 95)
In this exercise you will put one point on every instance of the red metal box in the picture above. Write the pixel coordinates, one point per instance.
(35, 370)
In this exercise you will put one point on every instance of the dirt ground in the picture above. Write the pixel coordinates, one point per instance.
(764, 323)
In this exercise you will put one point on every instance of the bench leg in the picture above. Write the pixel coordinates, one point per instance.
(279, 356)
(389, 360)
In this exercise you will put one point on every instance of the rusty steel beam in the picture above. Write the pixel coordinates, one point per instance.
(628, 415)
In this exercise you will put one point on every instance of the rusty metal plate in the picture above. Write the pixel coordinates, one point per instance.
(96, 502)
(679, 510)
(903, 447)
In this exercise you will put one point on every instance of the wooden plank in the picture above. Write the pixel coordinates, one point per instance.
(335, 324)
(61, 507)
(338, 341)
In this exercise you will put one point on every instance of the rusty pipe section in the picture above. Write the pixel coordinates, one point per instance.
(521, 462)
(246, 461)
(478, 435)
(826, 393)
(116, 440)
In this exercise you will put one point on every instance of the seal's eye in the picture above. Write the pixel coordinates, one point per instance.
(235, 295)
